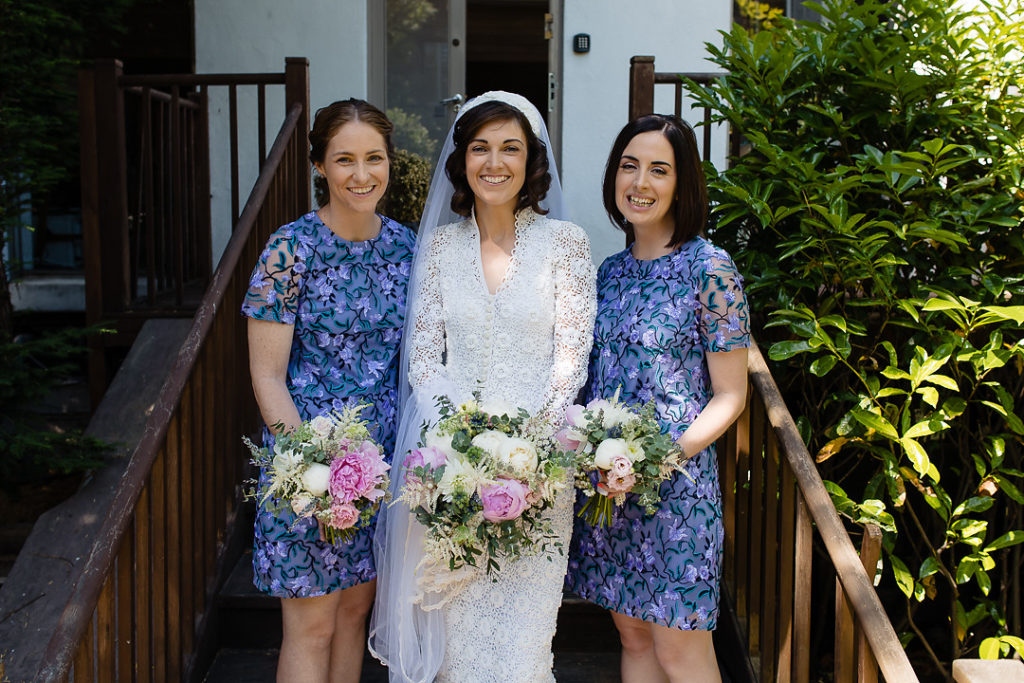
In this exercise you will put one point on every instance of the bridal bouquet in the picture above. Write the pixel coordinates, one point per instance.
(618, 449)
(327, 468)
(479, 481)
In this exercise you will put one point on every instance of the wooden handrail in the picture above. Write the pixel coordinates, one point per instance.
(855, 582)
(773, 499)
(77, 616)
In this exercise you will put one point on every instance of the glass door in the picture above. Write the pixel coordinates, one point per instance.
(426, 71)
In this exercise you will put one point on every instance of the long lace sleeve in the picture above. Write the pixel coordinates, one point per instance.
(427, 341)
(575, 307)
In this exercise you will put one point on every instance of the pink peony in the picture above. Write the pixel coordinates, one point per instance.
(617, 485)
(621, 466)
(352, 477)
(574, 415)
(504, 499)
(343, 515)
(569, 439)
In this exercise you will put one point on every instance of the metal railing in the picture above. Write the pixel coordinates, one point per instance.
(142, 596)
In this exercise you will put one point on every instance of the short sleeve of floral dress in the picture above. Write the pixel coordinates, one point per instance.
(346, 303)
(656, 321)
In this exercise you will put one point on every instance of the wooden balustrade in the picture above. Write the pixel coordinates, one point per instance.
(146, 190)
(141, 598)
(773, 502)
(643, 78)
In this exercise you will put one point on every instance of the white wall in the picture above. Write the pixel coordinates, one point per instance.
(595, 88)
(238, 36)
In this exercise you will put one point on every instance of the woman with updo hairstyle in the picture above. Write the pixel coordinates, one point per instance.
(326, 309)
(501, 305)
(672, 329)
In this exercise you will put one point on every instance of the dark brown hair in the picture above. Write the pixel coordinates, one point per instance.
(328, 122)
(538, 179)
(691, 198)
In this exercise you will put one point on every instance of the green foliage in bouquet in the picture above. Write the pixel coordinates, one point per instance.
(452, 498)
(877, 216)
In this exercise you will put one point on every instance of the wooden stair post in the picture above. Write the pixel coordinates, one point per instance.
(105, 243)
(641, 86)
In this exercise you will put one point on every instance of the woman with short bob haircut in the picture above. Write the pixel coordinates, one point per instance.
(671, 329)
(501, 305)
(690, 213)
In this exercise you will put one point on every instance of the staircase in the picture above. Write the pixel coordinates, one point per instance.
(248, 634)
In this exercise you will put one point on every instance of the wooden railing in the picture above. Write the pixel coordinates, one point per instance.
(146, 190)
(141, 598)
(643, 78)
(773, 501)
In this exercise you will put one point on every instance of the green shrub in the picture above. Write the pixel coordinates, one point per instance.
(407, 193)
(30, 450)
(877, 215)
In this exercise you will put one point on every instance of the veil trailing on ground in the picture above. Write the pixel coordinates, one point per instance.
(407, 631)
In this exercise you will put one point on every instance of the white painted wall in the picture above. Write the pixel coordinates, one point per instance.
(595, 88)
(238, 36)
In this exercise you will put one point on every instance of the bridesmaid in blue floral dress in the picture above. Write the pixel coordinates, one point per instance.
(326, 304)
(671, 328)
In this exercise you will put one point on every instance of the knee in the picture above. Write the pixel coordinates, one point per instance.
(636, 639)
(688, 659)
(314, 631)
(355, 608)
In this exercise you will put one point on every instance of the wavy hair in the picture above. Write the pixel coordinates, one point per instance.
(538, 179)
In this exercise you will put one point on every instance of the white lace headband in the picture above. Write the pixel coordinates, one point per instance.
(513, 100)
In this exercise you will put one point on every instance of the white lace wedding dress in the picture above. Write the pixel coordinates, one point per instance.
(526, 345)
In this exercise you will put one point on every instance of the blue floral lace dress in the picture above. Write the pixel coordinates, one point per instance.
(656, 320)
(346, 301)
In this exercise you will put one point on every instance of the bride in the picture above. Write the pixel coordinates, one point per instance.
(502, 302)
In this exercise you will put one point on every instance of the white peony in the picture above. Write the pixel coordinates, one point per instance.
(607, 451)
(519, 454)
(490, 441)
(616, 415)
(443, 442)
(316, 478)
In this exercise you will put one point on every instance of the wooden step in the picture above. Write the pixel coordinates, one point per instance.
(250, 619)
(236, 665)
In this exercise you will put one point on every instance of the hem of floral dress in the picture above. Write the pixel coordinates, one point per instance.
(312, 591)
(710, 624)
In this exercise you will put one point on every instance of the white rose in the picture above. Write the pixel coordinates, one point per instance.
(519, 454)
(606, 452)
(490, 441)
(634, 452)
(300, 503)
(499, 408)
(315, 478)
(321, 426)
